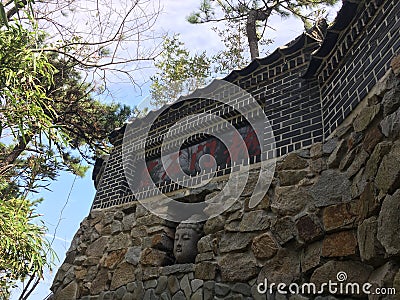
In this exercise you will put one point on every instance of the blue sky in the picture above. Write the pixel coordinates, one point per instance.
(197, 38)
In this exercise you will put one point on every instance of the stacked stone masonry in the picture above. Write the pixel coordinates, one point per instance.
(333, 205)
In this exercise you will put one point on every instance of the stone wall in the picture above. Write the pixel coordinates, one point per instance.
(333, 207)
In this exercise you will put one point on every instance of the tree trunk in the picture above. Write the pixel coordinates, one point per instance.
(14, 10)
(251, 30)
(15, 153)
(252, 34)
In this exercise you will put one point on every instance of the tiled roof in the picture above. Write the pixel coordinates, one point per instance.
(342, 21)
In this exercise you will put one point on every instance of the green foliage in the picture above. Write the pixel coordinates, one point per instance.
(49, 122)
(3, 16)
(241, 12)
(234, 54)
(23, 250)
(224, 10)
(178, 73)
(25, 76)
(46, 106)
(84, 120)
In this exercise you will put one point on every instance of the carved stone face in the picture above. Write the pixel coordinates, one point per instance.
(185, 246)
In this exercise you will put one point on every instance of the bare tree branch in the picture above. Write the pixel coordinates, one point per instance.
(97, 34)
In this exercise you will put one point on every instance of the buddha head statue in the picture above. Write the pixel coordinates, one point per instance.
(187, 234)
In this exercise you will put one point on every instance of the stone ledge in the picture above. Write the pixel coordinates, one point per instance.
(181, 268)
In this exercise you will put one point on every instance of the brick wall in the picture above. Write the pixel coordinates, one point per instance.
(292, 104)
(361, 57)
